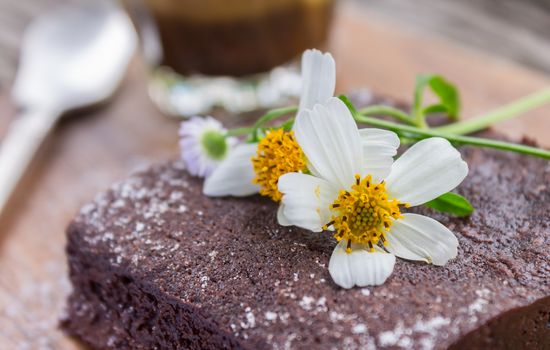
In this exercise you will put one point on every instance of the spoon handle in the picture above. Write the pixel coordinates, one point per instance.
(25, 135)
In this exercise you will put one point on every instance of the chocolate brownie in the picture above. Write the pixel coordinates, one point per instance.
(157, 265)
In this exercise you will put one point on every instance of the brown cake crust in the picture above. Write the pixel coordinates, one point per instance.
(155, 264)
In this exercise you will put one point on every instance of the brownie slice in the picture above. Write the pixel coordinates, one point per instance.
(157, 265)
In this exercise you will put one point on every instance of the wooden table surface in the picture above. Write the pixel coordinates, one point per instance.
(516, 29)
(89, 152)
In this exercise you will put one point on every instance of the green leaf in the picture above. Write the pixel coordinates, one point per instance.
(449, 100)
(448, 95)
(451, 203)
(437, 108)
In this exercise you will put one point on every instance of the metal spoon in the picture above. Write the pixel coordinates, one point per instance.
(72, 57)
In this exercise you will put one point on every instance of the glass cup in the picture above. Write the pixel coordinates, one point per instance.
(236, 54)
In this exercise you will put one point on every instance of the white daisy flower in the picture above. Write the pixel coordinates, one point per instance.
(278, 153)
(357, 190)
(204, 145)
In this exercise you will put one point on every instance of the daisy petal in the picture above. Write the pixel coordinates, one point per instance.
(318, 78)
(418, 237)
(306, 200)
(198, 159)
(379, 148)
(330, 140)
(427, 170)
(281, 218)
(360, 267)
(233, 177)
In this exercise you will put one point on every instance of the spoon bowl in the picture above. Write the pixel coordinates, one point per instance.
(71, 58)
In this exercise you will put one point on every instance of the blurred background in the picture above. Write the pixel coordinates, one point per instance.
(514, 29)
(495, 51)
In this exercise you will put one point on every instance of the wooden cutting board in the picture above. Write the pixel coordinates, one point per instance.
(89, 152)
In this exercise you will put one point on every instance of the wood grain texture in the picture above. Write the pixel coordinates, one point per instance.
(86, 154)
(515, 29)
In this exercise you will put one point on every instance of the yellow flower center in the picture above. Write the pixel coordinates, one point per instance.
(278, 154)
(364, 214)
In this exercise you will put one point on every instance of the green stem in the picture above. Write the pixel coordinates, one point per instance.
(420, 121)
(388, 111)
(286, 125)
(270, 115)
(419, 133)
(239, 131)
(505, 112)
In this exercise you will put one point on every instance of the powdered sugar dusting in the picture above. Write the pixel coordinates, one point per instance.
(423, 330)
(359, 329)
(149, 200)
(250, 319)
(479, 304)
